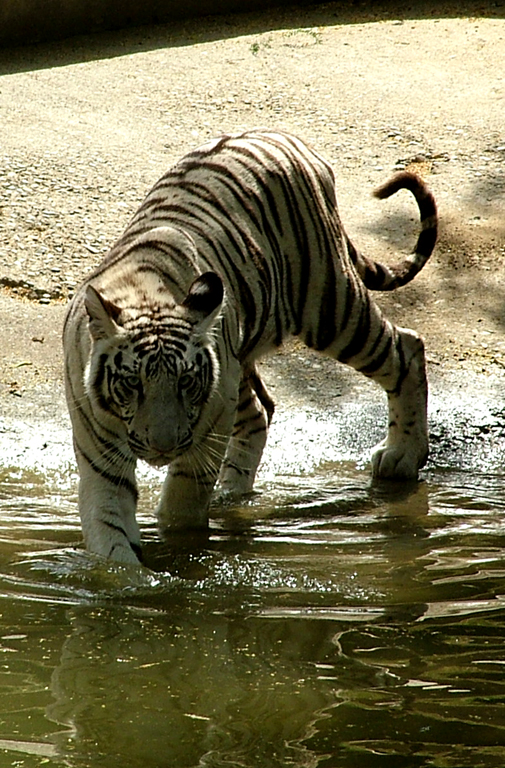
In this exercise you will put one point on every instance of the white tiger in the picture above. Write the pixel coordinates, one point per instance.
(236, 248)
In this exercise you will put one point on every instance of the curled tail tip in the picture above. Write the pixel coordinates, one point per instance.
(401, 180)
(380, 278)
(421, 192)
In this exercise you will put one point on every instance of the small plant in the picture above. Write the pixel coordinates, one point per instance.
(313, 32)
(256, 47)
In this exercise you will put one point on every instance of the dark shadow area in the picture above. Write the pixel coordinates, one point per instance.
(489, 188)
(185, 29)
(399, 229)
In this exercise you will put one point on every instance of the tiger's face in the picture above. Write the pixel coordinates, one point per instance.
(158, 396)
(154, 369)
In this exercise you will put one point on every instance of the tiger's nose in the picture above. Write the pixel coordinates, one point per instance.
(167, 441)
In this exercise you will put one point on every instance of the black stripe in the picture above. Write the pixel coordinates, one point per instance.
(119, 482)
(360, 337)
(239, 470)
(252, 160)
(235, 187)
(377, 363)
(199, 479)
(242, 422)
(402, 367)
(326, 330)
(89, 422)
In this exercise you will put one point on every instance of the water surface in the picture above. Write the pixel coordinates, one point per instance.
(324, 622)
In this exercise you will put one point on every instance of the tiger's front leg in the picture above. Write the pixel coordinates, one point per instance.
(188, 487)
(191, 477)
(405, 449)
(107, 506)
(187, 491)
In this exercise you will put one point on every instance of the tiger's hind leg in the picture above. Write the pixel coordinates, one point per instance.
(254, 413)
(405, 449)
(394, 358)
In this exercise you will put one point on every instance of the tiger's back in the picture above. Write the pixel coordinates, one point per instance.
(259, 212)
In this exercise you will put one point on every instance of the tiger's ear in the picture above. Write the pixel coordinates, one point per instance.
(102, 314)
(204, 299)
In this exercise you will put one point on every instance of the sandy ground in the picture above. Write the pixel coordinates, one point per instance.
(88, 125)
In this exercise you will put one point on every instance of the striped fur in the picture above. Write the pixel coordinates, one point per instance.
(236, 248)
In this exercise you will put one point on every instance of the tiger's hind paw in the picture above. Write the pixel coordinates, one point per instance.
(397, 462)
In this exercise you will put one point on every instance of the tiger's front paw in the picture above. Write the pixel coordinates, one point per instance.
(397, 462)
(126, 553)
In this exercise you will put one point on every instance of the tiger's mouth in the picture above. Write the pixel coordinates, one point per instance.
(154, 458)
(158, 461)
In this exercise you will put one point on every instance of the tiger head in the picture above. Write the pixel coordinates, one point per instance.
(154, 367)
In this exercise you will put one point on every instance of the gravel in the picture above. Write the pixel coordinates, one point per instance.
(88, 125)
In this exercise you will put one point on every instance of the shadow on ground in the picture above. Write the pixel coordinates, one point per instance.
(187, 32)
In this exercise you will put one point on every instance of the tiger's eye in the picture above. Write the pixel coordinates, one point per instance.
(131, 381)
(185, 380)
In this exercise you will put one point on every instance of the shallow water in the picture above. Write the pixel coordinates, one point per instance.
(324, 622)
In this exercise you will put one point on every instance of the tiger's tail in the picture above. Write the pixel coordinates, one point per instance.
(380, 277)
